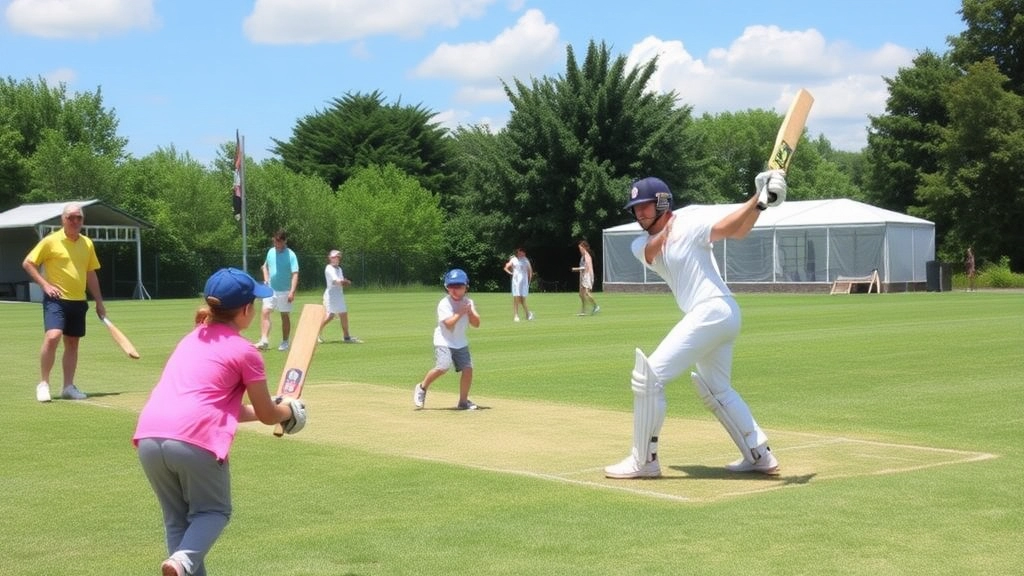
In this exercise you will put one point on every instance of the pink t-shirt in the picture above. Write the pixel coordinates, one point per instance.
(199, 395)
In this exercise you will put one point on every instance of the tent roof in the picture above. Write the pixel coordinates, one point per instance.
(96, 214)
(807, 213)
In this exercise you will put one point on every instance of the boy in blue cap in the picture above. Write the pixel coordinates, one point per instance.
(455, 313)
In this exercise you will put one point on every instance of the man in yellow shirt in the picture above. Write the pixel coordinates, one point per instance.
(64, 265)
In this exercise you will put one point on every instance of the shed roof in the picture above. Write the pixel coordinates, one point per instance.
(96, 214)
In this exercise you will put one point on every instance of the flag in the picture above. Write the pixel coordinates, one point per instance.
(236, 200)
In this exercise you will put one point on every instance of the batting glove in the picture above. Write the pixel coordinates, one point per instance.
(298, 418)
(771, 188)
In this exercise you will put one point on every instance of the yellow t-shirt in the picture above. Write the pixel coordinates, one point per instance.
(65, 262)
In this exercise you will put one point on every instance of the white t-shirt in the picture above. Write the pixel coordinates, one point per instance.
(455, 338)
(334, 294)
(687, 263)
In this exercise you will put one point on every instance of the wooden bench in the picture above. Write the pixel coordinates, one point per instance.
(857, 284)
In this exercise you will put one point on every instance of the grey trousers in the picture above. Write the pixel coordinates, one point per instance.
(194, 491)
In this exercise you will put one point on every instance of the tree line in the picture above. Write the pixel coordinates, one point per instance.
(385, 181)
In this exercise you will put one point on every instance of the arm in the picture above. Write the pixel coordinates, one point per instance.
(463, 308)
(474, 317)
(33, 272)
(266, 272)
(295, 286)
(737, 224)
(261, 406)
(508, 267)
(92, 282)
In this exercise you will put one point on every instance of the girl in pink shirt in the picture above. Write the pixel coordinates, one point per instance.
(187, 426)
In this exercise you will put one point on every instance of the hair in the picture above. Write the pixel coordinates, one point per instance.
(281, 235)
(211, 314)
(586, 246)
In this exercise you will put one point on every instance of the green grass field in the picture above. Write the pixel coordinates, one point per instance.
(896, 419)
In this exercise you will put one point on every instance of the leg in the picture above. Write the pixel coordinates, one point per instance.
(286, 325)
(344, 325)
(48, 353)
(69, 362)
(328, 316)
(465, 382)
(648, 416)
(265, 323)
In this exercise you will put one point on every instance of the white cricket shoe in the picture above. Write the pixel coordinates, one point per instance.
(766, 464)
(530, 316)
(43, 392)
(71, 392)
(629, 468)
(261, 345)
(419, 396)
(283, 347)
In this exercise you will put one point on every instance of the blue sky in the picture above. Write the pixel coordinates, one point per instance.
(188, 73)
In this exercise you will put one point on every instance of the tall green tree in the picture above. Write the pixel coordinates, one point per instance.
(55, 146)
(995, 30)
(575, 142)
(361, 130)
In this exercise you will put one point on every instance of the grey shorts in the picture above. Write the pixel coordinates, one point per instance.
(445, 358)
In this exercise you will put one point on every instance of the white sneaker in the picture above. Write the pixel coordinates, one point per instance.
(283, 346)
(72, 393)
(43, 392)
(419, 396)
(629, 468)
(319, 340)
(516, 319)
(766, 464)
(530, 317)
(596, 310)
(261, 345)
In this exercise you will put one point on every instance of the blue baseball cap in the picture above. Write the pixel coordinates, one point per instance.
(231, 288)
(455, 276)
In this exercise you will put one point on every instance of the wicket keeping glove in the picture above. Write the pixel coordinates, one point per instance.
(771, 188)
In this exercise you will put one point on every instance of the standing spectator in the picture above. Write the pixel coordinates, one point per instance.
(586, 270)
(519, 267)
(334, 297)
(455, 312)
(64, 265)
(678, 248)
(969, 268)
(281, 273)
(187, 426)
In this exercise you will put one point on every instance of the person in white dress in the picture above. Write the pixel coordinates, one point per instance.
(519, 267)
(334, 297)
(586, 270)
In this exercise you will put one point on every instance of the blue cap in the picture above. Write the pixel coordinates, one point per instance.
(231, 288)
(650, 189)
(455, 276)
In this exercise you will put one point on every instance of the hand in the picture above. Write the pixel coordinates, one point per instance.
(297, 421)
(771, 188)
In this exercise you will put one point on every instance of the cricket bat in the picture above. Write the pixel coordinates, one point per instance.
(790, 131)
(300, 353)
(121, 339)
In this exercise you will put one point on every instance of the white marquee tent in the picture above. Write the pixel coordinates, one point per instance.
(810, 241)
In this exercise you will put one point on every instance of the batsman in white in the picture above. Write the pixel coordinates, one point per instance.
(678, 248)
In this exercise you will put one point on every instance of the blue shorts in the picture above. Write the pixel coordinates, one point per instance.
(445, 357)
(68, 316)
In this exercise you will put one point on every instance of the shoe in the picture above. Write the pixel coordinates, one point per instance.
(530, 317)
(261, 345)
(172, 567)
(580, 313)
(596, 310)
(766, 464)
(419, 396)
(629, 468)
(283, 346)
(352, 340)
(467, 405)
(72, 392)
(516, 319)
(43, 392)
(319, 340)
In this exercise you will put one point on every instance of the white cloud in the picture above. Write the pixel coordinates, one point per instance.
(766, 65)
(79, 18)
(316, 21)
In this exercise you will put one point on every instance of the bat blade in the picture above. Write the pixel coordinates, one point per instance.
(790, 131)
(300, 354)
(121, 339)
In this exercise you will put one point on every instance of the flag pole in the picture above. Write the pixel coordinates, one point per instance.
(245, 247)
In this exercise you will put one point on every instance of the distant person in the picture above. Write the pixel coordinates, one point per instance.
(334, 297)
(677, 246)
(281, 273)
(521, 270)
(586, 270)
(187, 426)
(455, 313)
(64, 266)
(969, 268)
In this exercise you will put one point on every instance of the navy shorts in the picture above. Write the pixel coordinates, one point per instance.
(68, 316)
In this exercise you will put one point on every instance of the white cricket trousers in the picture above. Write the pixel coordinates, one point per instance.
(194, 491)
(703, 338)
